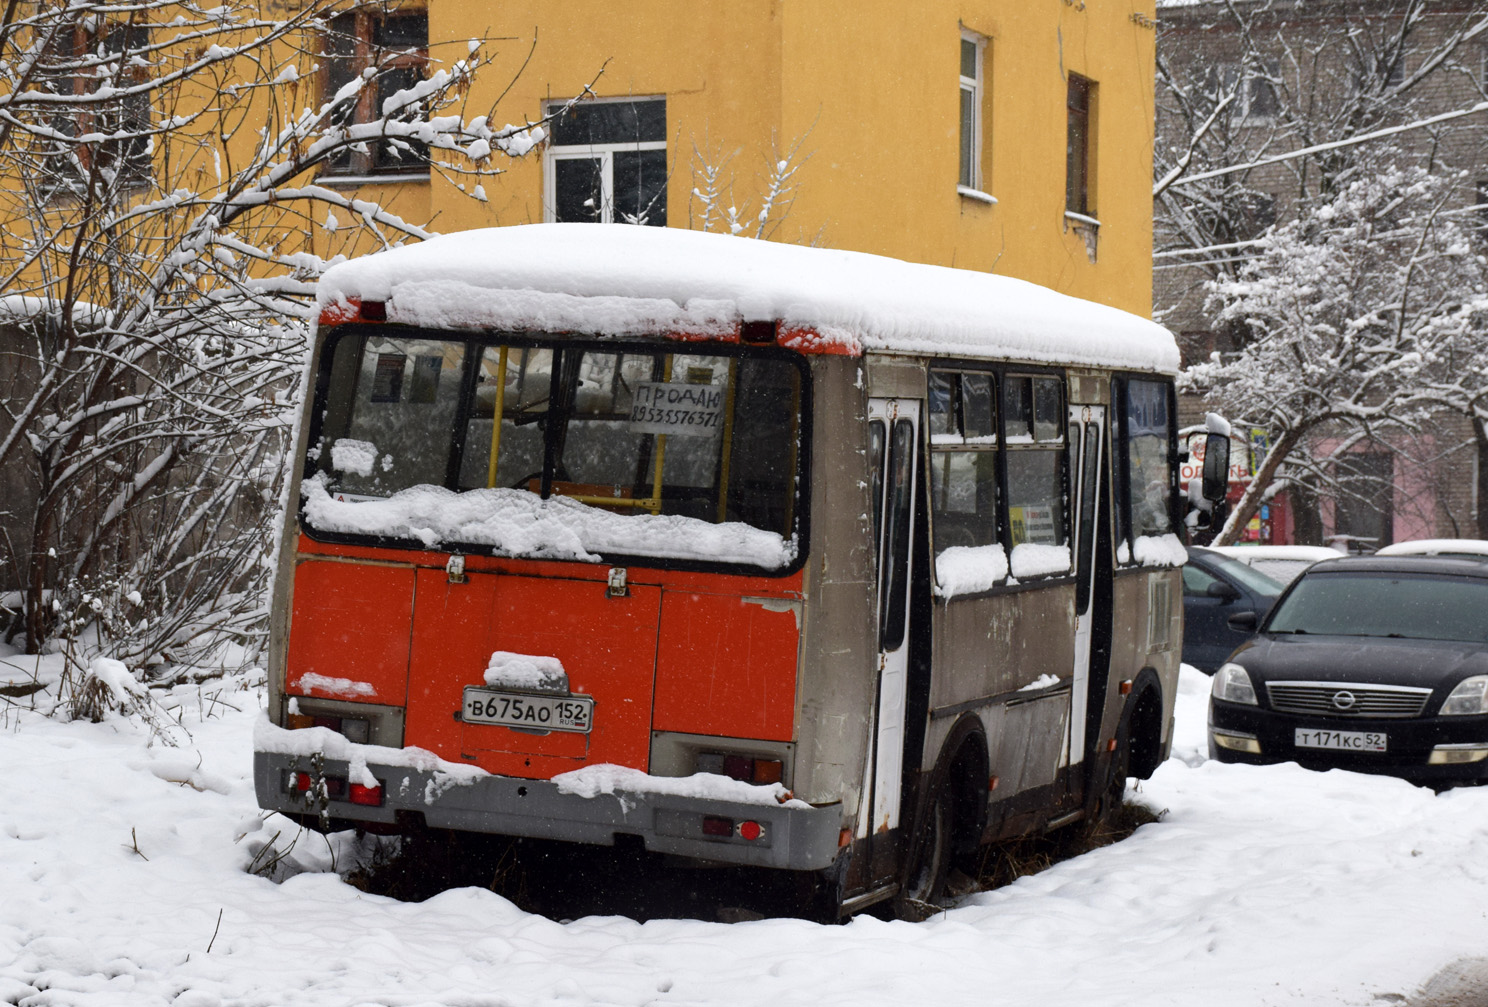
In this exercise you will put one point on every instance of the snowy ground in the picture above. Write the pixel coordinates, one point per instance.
(123, 882)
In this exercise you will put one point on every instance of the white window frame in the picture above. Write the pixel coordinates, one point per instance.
(603, 152)
(976, 87)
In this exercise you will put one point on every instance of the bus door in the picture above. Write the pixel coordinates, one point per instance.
(1087, 466)
(893, 445)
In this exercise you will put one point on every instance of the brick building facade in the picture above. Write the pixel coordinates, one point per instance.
(1301, 73)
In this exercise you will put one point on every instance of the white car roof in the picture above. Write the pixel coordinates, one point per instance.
(1300, 553)
(1437, 547)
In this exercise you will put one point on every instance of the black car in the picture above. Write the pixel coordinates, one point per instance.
(1373, 664)
(1216, 587)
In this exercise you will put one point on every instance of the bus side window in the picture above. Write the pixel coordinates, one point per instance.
(963, 459)
(1089, 474)
(1034, 424)
(1149, 467)
(896, 546)
(876, 445)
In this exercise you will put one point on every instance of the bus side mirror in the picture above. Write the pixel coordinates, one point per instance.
(1216, 467)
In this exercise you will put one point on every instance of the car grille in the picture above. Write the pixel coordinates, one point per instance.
(1347, 699)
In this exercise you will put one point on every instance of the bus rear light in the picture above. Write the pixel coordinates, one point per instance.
(355, 729)
(370, 796)
(713, 825)
(757, 333)
(374, 311)
(768, 770)
(751, 830)
(742, 767)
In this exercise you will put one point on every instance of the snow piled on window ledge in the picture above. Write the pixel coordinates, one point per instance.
(1033, 560)
(1160, 550)
(518, 523)
(963, 569)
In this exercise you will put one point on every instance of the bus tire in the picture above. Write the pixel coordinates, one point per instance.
(1145, 731)
(930, 859)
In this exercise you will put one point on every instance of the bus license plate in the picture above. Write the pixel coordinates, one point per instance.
(538, 713)
(1347, 741)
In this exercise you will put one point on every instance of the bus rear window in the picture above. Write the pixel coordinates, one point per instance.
(559, 450)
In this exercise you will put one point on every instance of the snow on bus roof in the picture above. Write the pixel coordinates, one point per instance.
(621, 280)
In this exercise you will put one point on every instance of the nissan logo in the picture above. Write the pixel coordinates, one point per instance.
(1343, 700)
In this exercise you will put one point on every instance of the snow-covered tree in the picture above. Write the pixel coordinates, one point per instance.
(715, 203)
(161, 172)
(1267, 111)
(1267, 103)
(1363, 318)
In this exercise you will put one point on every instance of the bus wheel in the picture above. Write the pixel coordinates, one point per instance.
(924, 882)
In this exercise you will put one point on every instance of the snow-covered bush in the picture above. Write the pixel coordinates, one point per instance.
(157, 270)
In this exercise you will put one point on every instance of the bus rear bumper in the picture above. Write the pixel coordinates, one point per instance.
(788, 837)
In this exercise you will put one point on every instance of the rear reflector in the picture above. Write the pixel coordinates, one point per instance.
(335, 786)
(715, 826)
(370, 796)
(751, 830)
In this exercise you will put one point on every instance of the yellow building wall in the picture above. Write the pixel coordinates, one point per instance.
(872, 86)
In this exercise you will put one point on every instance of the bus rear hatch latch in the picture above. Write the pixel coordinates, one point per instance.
(616, 587)
(455, 569)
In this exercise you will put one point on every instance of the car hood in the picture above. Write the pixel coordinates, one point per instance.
(1374, 660)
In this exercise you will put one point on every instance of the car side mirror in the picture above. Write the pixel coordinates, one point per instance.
(1224, 592)
(1216, 467)
(1245, 622)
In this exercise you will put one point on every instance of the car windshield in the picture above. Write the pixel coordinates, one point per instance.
(1414, 606)
(1247, 577)
(552, 449)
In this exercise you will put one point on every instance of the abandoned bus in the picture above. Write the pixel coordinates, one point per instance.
(765, 555)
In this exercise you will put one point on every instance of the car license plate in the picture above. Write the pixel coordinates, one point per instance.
(1347, 741)
(536, 713)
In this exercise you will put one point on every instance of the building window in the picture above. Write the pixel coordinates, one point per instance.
(1364, 515)
(1080, 101)
(973, 51)
(85, 60)
(607, 163)
(397, 45)
(1255, 94)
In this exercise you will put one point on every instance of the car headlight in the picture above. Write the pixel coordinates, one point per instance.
(1232, 684)
(1470, 696)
